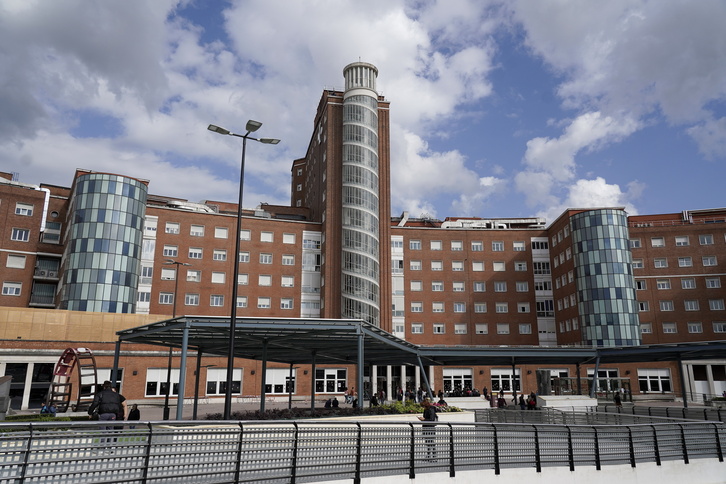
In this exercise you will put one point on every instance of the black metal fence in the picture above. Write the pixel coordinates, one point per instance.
(297, 451)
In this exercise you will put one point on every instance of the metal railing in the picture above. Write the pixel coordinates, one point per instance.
(297, 451)
(601, 415)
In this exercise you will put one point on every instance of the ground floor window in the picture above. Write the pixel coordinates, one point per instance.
(607, 380)
(331, 380)
(457, 381)
(217, 381)
(655, 380)
(156, 382)
(277, 380)
(502, 380)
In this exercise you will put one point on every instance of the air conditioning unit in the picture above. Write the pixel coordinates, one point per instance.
(42, 273)
(52, 273)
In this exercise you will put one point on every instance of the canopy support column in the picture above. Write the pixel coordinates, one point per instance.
(312, 381)
(682, 376)
(290, 386)
(196, 384)
(593, 385)
(114, 370)
(263, 394)
(425, 378)
(361, 337)
(182, 373)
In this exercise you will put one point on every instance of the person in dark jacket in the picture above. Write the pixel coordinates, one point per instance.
(134, 414)
(108, 403)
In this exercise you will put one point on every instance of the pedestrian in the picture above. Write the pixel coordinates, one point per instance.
(618, 401)
(522, 403)
(134, 415)
(109, 404)
(429, 429)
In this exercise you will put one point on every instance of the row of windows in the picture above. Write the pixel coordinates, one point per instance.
(688, 305)
(662, 262)
(221, 255)
(478, 286)
(458, 245)
(217, 300)
(693, 327)
(686, 283)
(460, 307)
(679, 240)
(462, 328)
(223, 233)
(217, 277)
(476, 266)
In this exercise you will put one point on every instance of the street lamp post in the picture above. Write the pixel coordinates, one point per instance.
(251, 127)
(173, 315)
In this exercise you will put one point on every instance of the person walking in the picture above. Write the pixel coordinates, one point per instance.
(429, 429)
(109, 405)
(134, 415)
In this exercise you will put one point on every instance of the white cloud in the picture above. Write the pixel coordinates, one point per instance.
(711, 137)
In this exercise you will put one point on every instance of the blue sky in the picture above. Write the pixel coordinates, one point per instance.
(498, 108)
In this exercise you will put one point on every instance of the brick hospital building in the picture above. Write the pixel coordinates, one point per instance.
(79, 263)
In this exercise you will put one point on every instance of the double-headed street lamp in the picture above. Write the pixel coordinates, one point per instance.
(251, 127)
(173, 315)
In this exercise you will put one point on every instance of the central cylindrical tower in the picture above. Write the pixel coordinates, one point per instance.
(361, 285)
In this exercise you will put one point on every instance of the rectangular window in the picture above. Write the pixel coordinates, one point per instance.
(666, 305)
(265, 258)
(656, 380)
(267, 237)
(217, 381)
(263, 303)
(457, 265)
(20, 235)
(264, 280)
(635, 243)
(194, 276)
(715, 304)
(195, 253)
(23, 209)
(459, 286)
(396, 244)
(196, 231)
(477, 246)
(480, 307)
(643, 306)
(540, 245)
(709, 260)
(219, 254)
(288, 260)
(646, 328)
(191, 299)
(523, 307)
(416, 286)
(435, 245)
(170, 251)
(166, 298)
(241, 301)
(546, 308)
(288, 238)
(520, 266)
(518, 246)
(439, 328)
(682, 241)
(660, 263)
(719, 326)
(416, 328)
(663, 283)
(243, 257)
(685, 262)
(457, 245)
(500, 286)
(502, 307)
(688, 283)
(670, 328)
(437, 307)
(713, 282)
(437, 286)
(497, 246)
(705, 239)
(218, 277)
(172, 228)
(221, 232)
(459, 307)
(638, 263)
(143, 297)
(168, 274)
(657, 242)
(414, 244)
(695, 327)
(482, 328)
(216, 300)
(640, 285)
(522, 286)
(477, 266)
(17, 262)
(245, 234)
(498, 266)
(288, 281)
(691, 305)
(286, 303)
(12, 288)
(415, 265)
(541, 268)
(502, 328)
(437, 265)
(417, 307)
(460, 329)
(525, 328)
(156, 382)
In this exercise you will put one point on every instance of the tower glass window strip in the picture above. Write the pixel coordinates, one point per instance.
(360, 221)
